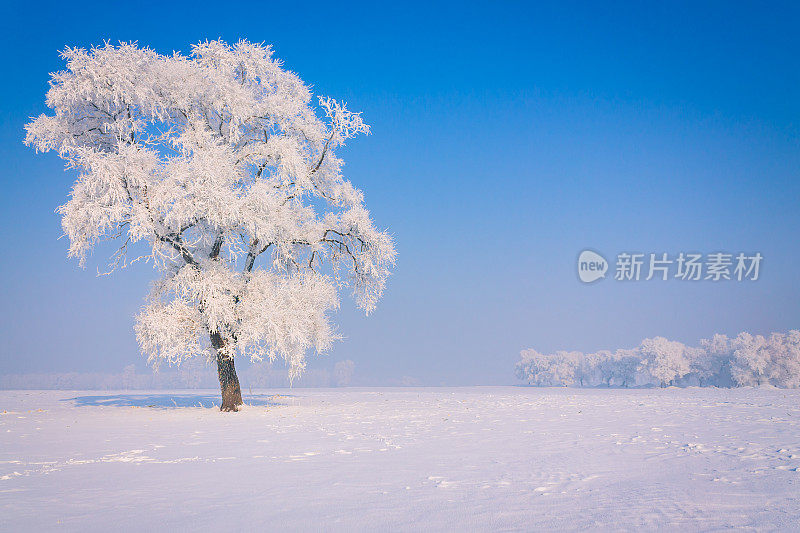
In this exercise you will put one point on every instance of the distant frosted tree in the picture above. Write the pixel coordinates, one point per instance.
(751, 359)
(627, 363)
(604, 366)
(343, 372)
(665, 360)
(614, 368)
(586, 369)
(712, 360)
(532, 367)
(786, 359)
(224, 168)
(744, 360)
(547, 369)
(565, 366)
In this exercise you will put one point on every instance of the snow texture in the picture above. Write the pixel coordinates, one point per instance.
(484, 458)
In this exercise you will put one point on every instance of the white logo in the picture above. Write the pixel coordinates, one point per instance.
(591, 266)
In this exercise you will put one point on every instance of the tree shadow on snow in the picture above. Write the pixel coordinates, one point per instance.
(173, 401)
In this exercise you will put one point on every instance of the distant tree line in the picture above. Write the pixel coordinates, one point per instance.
(191, 374)
(745, 360)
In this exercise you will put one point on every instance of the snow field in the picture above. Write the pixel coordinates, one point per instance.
(477, 458)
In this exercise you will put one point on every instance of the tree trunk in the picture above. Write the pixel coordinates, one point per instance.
(228, 380)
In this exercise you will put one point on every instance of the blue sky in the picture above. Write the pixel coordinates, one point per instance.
(507, 137)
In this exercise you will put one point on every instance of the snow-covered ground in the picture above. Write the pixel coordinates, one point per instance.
(482, 458)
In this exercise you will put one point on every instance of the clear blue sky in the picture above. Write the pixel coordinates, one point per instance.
(506, 138)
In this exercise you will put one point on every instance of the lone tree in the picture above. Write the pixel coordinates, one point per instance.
(223, 165)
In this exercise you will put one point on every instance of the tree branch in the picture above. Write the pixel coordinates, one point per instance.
(216, 247)
(324, 151)
(252, 254)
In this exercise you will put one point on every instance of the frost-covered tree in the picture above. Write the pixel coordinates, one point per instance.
(548, 369)
(565, 367)
(665, 360)
(712, 361)
(223, 168)
(533, 367)
(751, 359)
(746, 360)
(585, 369)
(628, 363)
(786, 371)
(612, 368)
(603, 366)
(757, 360)
(785, 349)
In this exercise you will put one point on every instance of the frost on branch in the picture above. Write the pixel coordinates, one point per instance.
(220, 168)
(286, 316)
